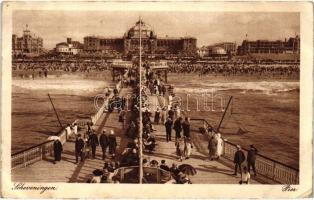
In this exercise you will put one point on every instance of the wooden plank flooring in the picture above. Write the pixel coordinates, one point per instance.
(67, 170)
(212, 172)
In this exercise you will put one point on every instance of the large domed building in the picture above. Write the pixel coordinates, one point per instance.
(151, 44)
(134, 31)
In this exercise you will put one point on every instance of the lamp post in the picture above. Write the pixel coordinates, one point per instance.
(140, 110)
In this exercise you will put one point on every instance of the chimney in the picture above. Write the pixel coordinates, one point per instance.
(69, 40)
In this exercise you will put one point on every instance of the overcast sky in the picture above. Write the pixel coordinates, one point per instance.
(207, 27)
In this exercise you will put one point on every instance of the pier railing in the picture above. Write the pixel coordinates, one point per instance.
(40, 151)
(269, 168)
(103, 108)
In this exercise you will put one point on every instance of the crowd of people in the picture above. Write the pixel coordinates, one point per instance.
(234, 69)
(229, 68)
(175, 121)
(170, 117)
(60, 66)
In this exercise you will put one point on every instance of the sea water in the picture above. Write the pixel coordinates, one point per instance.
(267, 111)
(33, 118)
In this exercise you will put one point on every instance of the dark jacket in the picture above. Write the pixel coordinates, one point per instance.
(171, 113)
(174, 171)
(93, 140)
(164, 167)
(186, 128)
(79, 144)
(112, 141)
(239, 157)
(251, 155)
(177, 126)
(57, 146)
(168, 125)
(103, 140)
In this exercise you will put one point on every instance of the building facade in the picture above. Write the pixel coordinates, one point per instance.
(218, 50)
(229, 47)
(28, 44)
(151, 44)
(292, 45)
(70, 47)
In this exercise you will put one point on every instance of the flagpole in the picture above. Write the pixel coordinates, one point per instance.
(141, 125)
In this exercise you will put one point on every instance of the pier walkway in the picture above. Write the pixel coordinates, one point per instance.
(210, 172)
(66, 170)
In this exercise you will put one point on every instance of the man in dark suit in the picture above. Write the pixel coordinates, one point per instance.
(171, 113)
(251, 157)
(79, 145)
(239, 158)
(103, 141)
(168, 126)
(93, 141)
(178, 127)
(186, 127)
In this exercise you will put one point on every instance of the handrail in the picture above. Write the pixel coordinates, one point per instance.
(40, 144)
(37, 152)
(263, 156)
(269, 168)
(29, 148)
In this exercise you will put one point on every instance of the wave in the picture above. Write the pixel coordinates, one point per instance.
(67, 85)
(267, 87)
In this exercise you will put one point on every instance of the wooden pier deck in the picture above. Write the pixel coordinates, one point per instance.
(67, 170)
(210, 172)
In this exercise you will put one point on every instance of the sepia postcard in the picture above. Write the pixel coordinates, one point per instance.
(156, 99)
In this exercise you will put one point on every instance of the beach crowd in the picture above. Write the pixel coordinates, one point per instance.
(234, 69)
(186, 67)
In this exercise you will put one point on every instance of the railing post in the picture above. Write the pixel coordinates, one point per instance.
(296, 178)
(41, 151)
(274, 170)
(24, 158)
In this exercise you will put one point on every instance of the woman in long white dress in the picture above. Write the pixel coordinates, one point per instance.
(219, 145)
(187, 148)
